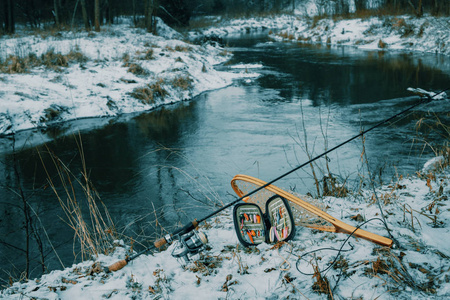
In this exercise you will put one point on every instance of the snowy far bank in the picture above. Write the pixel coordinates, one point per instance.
(46, 79)
(417, 211)
(404, 33)
(51, 78)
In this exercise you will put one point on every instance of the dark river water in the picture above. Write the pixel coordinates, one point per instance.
(175, 163)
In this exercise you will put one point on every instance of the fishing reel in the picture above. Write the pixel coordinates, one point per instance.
(188, 245)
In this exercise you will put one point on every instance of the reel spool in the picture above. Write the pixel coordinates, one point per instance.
(188, 245)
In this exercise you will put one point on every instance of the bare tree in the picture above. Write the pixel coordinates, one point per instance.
(10, 25)
(85, 15)
(418, 11)
(97, 15)
(151, 7)
(56, 13)
(360, 5)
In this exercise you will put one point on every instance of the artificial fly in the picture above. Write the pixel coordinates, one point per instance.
(192, 246)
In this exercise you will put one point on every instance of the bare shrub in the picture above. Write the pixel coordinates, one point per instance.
(16, 64)
(76, 56)
(381, 44)
(55, 61)
(182, 48)
(182, 82)
(136, 69)
(148, 93)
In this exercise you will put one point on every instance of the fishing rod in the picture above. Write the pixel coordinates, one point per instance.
(194, 241)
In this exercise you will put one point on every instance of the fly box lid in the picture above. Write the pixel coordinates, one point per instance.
(254, 227)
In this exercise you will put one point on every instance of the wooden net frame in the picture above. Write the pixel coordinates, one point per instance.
(305, 213)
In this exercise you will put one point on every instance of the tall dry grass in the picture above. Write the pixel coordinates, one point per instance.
(94, 230)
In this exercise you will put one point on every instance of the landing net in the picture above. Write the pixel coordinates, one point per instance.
(243, 185)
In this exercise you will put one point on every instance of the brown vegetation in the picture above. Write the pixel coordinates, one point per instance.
(182, 82)
(148, 93)
(14, 64)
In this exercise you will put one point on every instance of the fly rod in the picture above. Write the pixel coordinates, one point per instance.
(169, 238)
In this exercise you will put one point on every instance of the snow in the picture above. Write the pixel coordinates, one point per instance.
(406, 33)
(102, 86)
(434, 164)
(103, 82)
(417, 207)
(228, 270)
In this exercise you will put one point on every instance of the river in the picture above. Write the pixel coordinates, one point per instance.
(176, 162)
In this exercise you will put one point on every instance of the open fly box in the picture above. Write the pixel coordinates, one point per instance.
(254, 227)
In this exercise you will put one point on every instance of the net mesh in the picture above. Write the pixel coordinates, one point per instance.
(302, 216)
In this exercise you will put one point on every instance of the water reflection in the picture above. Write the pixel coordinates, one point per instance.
(180, 159)
(341, 75)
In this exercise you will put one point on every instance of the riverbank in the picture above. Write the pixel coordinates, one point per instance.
(47, 78)
(51, 77)
(417, 212)
(387, 33)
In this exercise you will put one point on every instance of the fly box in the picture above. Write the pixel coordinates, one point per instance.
(254, 227)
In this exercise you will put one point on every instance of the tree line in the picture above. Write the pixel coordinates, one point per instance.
(69, 13)
(93, 13)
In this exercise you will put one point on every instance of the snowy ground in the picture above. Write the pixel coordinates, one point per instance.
(418, 213)
(405, 33)
(119, 70)
(48, 78)
(417, 208)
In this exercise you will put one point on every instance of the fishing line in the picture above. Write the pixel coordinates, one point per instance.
(340, 250)
(426, 99)
(372, 179)
(169, 238)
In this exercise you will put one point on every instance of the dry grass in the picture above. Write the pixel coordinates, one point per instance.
(93, 228)
(149, 93)
(389, 268)
(182, 48)
(142, 55)
(137, 69)
(15, 64)
(288, 36)
(182, 82)
(331, 187)
(321, 284)
(52, 60)
(381, 44)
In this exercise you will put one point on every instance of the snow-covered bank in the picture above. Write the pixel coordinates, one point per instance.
(405, 33)
(65, 76)
(50, 78)
(417, 211)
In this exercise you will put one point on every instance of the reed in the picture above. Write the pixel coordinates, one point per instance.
(93, 227)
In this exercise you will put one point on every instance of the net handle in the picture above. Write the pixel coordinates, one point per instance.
(339, 225)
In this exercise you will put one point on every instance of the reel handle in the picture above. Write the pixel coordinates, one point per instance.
(157, 244)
